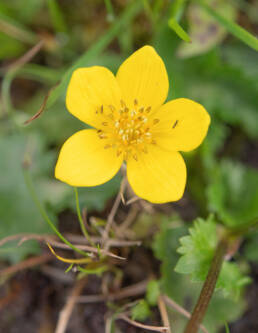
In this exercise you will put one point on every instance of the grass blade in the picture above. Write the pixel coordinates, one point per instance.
(232, 27)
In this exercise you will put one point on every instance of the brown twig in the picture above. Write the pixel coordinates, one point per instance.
(112, 213)
(43, 258)
(207, 289)
(42, 107)
(24, 59)
(131, 291)
(120, 230)
(124, 317)
(163, 313)
(66, 312)
(180, 310)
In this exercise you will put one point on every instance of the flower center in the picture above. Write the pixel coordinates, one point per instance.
(128, 130)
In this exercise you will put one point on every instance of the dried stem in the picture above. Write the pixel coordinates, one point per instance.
(124, 317)
(180, 310)
(113, 211)
(207, 289)
(66, 312)
(134, 290)
(26, 264)
(163, 313)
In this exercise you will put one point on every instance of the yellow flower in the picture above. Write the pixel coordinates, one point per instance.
(131, 124)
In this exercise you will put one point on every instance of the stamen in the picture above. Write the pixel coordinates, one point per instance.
(135, 157)
(105, 123)
(122, 103)
(107, 146)
(148, 109)
(135, 102)
(155, 121)
(141, 109)
(176, 122)
(101, 109)
(112, 108)
(154, 142)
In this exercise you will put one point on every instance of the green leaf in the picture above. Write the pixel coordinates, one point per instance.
(18, 213)
(233, 193)
(198, 249)
(153, 292)
(232, 27)
(141, 311)
(174, 25)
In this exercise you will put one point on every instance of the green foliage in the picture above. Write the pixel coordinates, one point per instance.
(180, 288)
(17, 211)
(197, 251)
(141, 311)
(153, 292)
(233, 193)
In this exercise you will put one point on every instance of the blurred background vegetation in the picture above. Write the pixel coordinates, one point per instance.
(211, 58)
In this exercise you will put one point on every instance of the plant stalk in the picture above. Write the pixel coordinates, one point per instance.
(207, 289)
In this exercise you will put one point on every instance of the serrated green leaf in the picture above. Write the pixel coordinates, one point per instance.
(141, 311)
(198, 250)
(153, 292)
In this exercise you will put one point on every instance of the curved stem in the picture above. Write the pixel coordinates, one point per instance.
(83, 229)
(207, 289)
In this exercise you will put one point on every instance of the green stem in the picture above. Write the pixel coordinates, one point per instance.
(207, 289)
(83, 229)
(42, 211)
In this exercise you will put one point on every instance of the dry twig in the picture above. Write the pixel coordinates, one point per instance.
(163, 313)
(67, 310)
(131, 291)
(181, 310)
(113, 211)
(43, 258)
(124, 317)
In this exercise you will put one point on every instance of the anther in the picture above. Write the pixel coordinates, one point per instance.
(101, 109)
(105, 123)
(135, 157)
(141, 109)
(154, 142)
(155, 121)
(148, 109)
(112, 108)
(122, 103)
(176, 122)
(135, 102)
(107, 146)
(118, 153)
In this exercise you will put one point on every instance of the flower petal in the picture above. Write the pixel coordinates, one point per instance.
(158, 176)
(143, 76)
(182, 125)
(83, 160)
(88, 90)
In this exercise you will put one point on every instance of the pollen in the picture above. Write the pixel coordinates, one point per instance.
(129, 129)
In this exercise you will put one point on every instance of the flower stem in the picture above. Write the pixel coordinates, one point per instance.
(207, 289)
(42, 211)
(83, 229)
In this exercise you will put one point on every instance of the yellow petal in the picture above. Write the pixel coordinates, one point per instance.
(88, 90)
(182, 125)
(84, 161)
(158, 176)
(143, 76)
